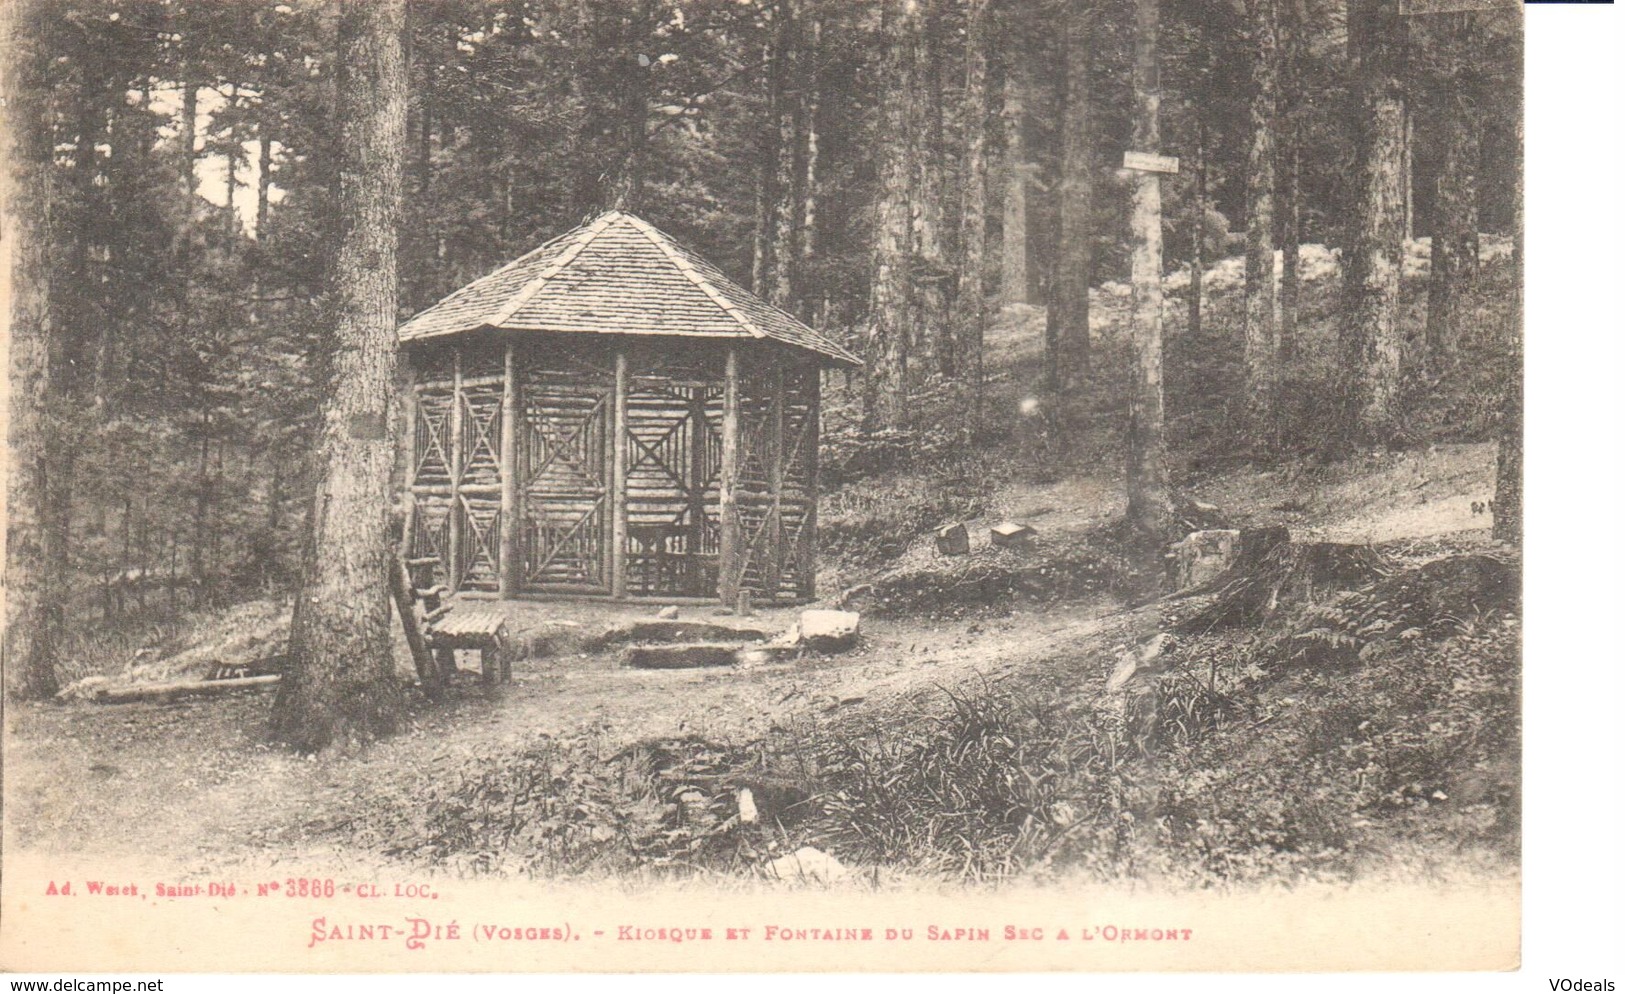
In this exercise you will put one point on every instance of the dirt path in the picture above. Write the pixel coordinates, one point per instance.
(193, 783)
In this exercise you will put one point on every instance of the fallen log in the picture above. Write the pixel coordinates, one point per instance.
(189, 688)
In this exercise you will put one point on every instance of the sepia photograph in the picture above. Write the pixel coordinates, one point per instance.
(763, 485)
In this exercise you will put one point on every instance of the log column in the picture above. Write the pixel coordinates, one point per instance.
(509, 567)
(774, 567)
(732, 540)
(406, 464)
(807, 547)
(455, 460)
(620, 451)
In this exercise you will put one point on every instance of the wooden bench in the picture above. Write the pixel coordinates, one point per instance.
(435, 634)
(482, 628)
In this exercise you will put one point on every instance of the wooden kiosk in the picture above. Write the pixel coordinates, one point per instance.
(611, 415)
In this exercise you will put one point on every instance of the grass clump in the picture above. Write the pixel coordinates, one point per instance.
(975, 792)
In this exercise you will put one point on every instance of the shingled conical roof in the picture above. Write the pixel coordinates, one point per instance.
(617, 275)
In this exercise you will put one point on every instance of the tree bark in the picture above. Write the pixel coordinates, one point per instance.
(1508, 510)
(1369, 337)
(1291, 237)
(341, 683)
(813, 39)
(631, 23)
(1013, 285)
(1148, 508)
(1193, 317)
(189, 140)
(886, 388)
(1069, 304)
(971, 296)
(930, 271)
(262, 218)
(33, 594)
(1289, 115)
(1455, 230)
(1258, 322)
(262, 206)
(781, 159)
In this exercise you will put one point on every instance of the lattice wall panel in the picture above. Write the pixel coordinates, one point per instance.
(431, 474)
(674, 426)
(565, 472)
(779, 439)
(479, 489)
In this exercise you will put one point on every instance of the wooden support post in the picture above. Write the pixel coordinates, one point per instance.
(730, 571)
(621, 451)
(807, 548)
(456, 457)
(509, 567)
(773, 569)
(699, 443)
(405, 463)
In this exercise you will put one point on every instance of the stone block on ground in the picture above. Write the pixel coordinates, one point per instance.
(665, 630)
(828, 631)
(1012, 535)
(669, 612)
(679, 656)
(1203, 555)
(953, 540)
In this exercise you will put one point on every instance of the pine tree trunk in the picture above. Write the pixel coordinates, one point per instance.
(426, 122)
(930, 268)
(1148, 503)
(886, 384)
(262, 206)
(189, 140)
(1291, 237)
(1508, 510)
(811, 104)
(1507, 520)
(1258, 323)
(1455, 230)
(262, 219)
(781, 157)
(33, 594)
(1289, 114)
(340, 683)
(1013, 285)
(762, 265)
(971, 296)
(1369, 337)
(634, 114)
(1069, 304)
(1193, 317)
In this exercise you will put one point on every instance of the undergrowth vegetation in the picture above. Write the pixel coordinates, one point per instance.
(994, 579)
(1311, 748)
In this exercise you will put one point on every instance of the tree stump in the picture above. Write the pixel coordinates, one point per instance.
(1271, 572)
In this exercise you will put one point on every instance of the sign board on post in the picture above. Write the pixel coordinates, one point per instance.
(1150, 162)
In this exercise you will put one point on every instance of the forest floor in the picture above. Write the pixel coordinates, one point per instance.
(194, 785)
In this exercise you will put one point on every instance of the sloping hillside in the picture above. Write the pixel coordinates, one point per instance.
(1008, 713)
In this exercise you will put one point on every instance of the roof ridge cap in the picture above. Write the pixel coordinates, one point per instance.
(520, 299)
(661, 241)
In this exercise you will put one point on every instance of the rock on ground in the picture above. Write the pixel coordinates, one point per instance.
(828, 631)
(807, 863)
